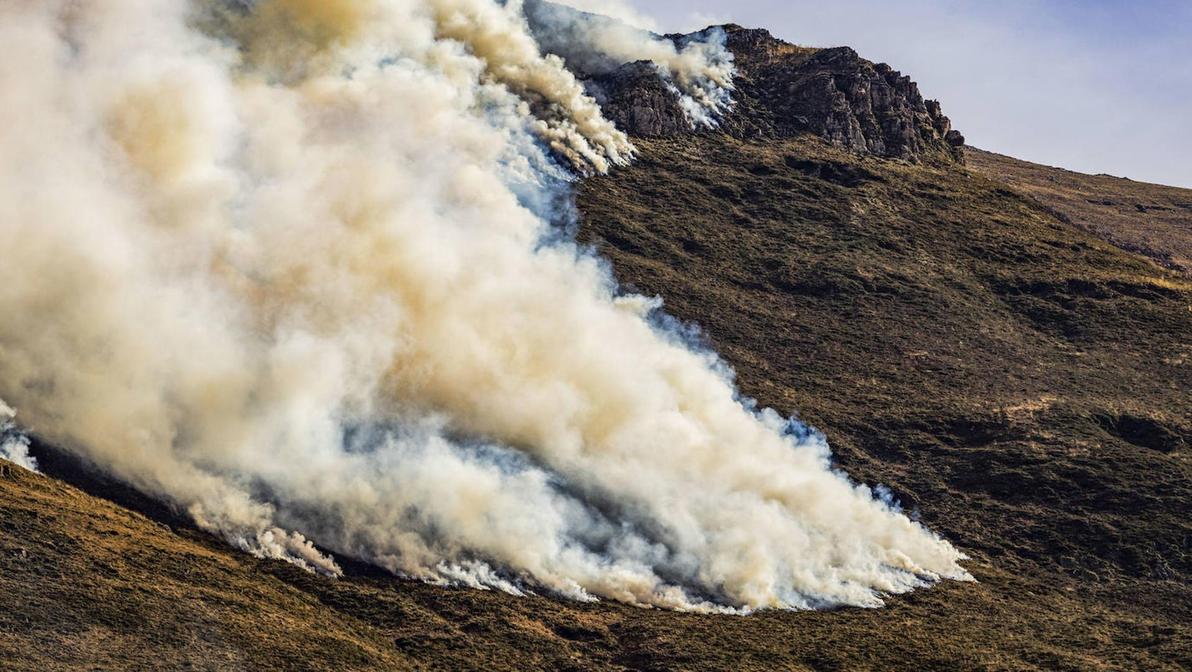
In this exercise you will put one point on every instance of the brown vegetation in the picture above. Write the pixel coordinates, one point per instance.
(1149, 219)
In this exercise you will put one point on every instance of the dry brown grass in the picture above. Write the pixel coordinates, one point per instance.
(1149, 219)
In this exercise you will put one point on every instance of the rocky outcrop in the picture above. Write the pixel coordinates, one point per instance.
(850, 102)
(637, 100)
(785, 90)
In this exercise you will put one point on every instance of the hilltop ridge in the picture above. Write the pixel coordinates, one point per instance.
(783, 90)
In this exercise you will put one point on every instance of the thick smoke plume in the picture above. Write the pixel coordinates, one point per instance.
(288, 265)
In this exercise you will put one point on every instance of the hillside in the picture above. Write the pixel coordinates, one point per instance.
(1016, 380)
(1019, 383)
(1149, 219)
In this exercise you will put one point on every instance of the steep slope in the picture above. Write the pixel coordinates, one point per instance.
(1018, 382)
(1021, 383)
(87, 584)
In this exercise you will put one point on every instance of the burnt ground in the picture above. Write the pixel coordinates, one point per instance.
(1019, 383)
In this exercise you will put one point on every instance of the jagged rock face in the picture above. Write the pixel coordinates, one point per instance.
(784, 90)
(850, 102)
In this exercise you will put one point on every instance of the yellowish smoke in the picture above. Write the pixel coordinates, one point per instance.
(283, 265)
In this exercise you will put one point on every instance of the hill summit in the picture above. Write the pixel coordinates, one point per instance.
(783, 90)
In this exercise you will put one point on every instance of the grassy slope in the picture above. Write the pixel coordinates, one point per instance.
(1149, 219)
(1019, 383)
(85, 583)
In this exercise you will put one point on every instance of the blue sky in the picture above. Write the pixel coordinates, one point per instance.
(1098, 86)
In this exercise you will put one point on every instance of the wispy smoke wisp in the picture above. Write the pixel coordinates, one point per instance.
(699, 70)
(281, 264)
(14, 446)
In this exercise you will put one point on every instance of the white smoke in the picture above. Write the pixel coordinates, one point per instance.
(287, 268)
(620, 10)
(14, 446)
(698, 70)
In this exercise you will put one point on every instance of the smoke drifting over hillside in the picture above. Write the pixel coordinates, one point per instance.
(288, 266)
(699, 71)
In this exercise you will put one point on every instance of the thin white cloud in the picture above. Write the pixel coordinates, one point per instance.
(621, 10)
